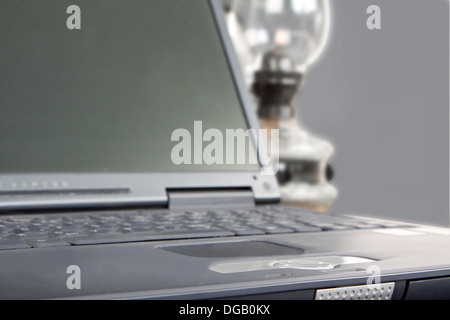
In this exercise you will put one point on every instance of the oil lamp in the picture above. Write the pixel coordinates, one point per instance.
(277, 43)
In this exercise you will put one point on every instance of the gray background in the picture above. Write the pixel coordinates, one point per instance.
(382, 98)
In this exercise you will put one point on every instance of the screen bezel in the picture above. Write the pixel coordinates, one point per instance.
(69, 190)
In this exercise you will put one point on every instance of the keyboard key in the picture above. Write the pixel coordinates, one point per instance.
(47, 243)
(12, 244)
(101, 231)
(366, 226)
(337, 228)
(393, 225)
(151, 236)
(303, 228)
(28, 236)
(61, 234)
(274, 229)
(245, 231)
(31, 234)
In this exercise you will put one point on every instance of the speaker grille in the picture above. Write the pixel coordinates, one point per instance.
(382, 291)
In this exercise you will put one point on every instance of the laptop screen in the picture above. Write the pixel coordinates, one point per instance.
(103, 87)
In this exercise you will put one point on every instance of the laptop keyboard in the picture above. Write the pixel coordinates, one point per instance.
(56, 230)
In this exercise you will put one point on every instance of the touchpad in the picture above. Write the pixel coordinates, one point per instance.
(234, 249)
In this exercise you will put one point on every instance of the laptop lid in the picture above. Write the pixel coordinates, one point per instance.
(93, 99)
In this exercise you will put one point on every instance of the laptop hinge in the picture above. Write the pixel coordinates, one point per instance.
(210, 199)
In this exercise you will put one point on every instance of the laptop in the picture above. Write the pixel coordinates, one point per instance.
(94, 98)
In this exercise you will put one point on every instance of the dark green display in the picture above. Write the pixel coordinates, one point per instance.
(107, 97)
